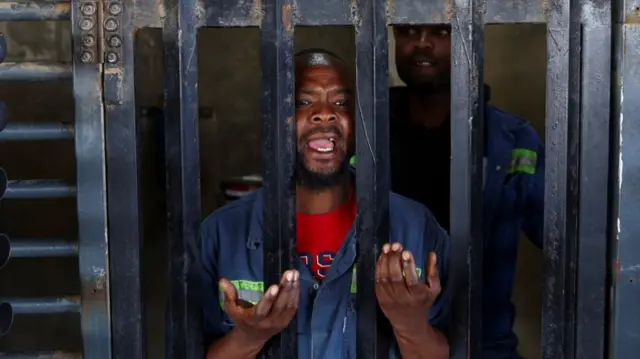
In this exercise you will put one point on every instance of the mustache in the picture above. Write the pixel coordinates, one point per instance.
(322, 129)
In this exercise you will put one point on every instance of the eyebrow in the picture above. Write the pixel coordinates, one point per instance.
(343, 90)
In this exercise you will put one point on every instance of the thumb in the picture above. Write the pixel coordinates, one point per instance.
(230, 294)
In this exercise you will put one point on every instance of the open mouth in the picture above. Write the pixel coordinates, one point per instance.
(325, 144)
(423, 62)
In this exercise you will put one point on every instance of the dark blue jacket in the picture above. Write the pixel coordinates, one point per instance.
(513, 203)
(232, 248)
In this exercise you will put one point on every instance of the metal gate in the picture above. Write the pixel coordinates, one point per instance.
(593, 47)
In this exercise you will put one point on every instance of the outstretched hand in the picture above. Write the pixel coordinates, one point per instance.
(273, 312)
(404, 299)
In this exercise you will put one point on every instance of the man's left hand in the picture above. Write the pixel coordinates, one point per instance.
(404, 299)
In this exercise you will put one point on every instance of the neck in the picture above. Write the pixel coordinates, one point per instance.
(429, 109)
(314, 201)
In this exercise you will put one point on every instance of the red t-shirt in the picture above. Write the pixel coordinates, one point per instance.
(319, 236)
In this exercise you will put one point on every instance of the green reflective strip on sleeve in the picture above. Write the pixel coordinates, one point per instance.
(247, 290)
(523, 160)
(354, 283)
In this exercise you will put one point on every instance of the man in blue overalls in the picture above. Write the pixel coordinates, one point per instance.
(420, 162)
(240, 315)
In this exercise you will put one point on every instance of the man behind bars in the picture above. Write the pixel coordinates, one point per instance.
(420, 150)
(240, 315)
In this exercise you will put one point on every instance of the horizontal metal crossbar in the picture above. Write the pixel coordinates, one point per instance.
(33, 71)
(70, 304)
(42, 355)
(228, 13)
(36, 131)
(33, 189)
(34, 11)
(41, 247)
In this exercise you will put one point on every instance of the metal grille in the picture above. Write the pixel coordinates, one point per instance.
(592, 166)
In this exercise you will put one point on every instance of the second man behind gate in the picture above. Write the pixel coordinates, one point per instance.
(420, 150)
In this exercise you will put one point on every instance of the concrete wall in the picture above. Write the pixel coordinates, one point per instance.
(229, 85)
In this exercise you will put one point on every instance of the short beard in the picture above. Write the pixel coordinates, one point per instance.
(318, 181)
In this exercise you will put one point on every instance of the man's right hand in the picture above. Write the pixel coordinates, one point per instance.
(274, 311)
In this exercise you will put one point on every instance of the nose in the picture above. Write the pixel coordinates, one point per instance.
(425, 39)
(324, 115)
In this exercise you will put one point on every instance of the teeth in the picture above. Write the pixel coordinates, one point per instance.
(325, 149)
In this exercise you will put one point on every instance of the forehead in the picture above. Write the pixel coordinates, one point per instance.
(322, 75)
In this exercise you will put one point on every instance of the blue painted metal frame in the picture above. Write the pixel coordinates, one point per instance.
(626, 162)
(92, 211)
(123, 190)
(183, 178)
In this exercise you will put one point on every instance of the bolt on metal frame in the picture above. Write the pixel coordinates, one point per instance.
(589, 148)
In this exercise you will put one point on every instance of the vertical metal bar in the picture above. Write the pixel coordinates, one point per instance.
(467, 128)
(183, 177)
(125, 232)
(372, 177)
(594, 178)
(91, 185)
(278, 155)
(626, 279)
(561, 179)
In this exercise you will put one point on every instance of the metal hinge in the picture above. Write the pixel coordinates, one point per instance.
(99, 24)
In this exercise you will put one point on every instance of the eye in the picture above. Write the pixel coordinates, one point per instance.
(444, 32)
(301, 103)
(341, 103)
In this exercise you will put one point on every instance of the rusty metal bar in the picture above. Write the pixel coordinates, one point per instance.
(36, 131)
(34, 11)
(339, 12)
(182, 153)
(42, 355)
(33, 71)
(467, 150)
(38, 189)
(44, 305)
(592, 269)
(278, 154)
(372, 178)
(42, 247)
(561, 179)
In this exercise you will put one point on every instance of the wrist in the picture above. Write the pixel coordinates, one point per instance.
(413, 334)
(246, 340)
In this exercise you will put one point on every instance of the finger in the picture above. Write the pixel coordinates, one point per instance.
(230, 295)
(263, 307)
(409, 267)
(395, 270)
(286, 285)
(295, 292)
(382, 272)
(433, 277)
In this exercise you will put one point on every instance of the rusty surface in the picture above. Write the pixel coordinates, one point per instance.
(633, 17)
(287, 17)
(34, 11)
(248, 13)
